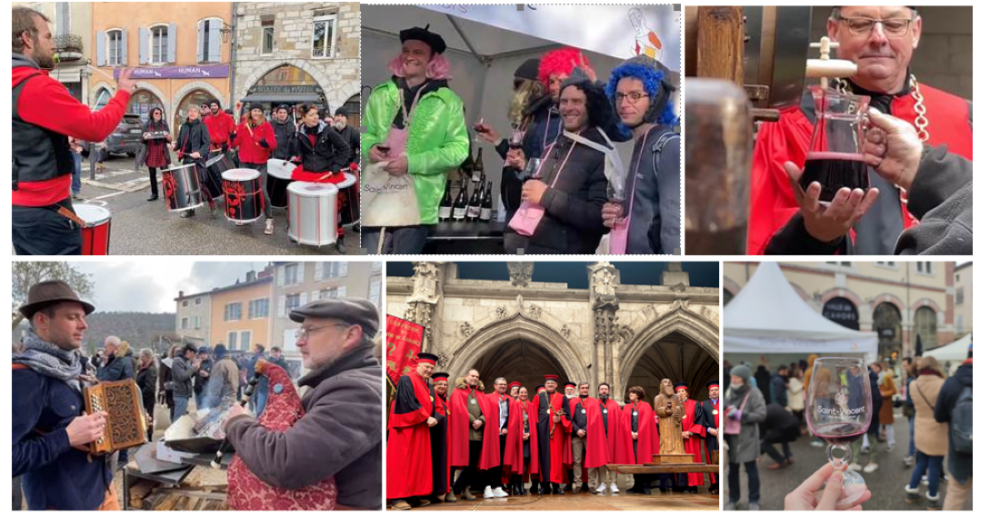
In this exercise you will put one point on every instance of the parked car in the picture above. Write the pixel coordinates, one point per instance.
(126, 139)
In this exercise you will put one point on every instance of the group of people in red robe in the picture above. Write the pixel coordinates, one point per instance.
(500, 443)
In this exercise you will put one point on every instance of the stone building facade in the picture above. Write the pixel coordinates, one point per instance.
(322, 39)
(518, 329)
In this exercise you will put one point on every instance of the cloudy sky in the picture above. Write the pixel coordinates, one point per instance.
(152, 284)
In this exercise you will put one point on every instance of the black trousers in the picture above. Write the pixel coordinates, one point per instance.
(496, 473)
(42, 231)
(470, 474)
(783, 436)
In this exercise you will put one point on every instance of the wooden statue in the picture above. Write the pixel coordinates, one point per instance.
(670, 410)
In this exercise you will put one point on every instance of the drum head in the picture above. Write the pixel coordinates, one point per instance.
(241, 174)
(312, 189)
(349, 181)
(92, 214)
(178, 168)
(280, 169)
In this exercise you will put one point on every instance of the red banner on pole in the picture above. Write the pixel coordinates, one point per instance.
(404, 340)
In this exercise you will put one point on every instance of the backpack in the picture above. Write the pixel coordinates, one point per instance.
(960, 429)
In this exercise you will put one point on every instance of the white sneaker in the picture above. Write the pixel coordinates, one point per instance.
(923, 479)
(499, 493)
(614, 488)
(488, 493)
(855, 467)
(602, 488)
(871, 467)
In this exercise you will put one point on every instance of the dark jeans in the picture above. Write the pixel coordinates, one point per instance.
(734, 481)
(76, 185)
(262, 169)
(784, 437)
(18, 497)
(405, 240)
(495, 479)
(42, 231)
(153, 188)
(932, 464)
(470, 474)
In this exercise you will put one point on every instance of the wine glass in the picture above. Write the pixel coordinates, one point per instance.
(516, 142)
(532, 169)
(839, 411)
(616, 196)
(479, 127)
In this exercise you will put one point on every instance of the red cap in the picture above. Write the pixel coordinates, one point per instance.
(680, 386)
(551, 377)
(515, 383)
(539, 388)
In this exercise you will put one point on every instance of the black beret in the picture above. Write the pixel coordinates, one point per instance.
(424, 35)
(361, 312)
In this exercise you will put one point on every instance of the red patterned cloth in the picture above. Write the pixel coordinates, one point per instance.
(247, 491)
(156, 154)
(300, 174)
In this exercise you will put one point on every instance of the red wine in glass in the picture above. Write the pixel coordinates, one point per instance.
(834, 171)
(840, 433)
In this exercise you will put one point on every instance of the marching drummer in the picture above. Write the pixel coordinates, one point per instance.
(221, 127)
(284, 133)
(255, 141)
(324, 154)
(44, 116)
(192, 147)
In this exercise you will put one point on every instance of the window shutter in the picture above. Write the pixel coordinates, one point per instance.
(172, 44)
(280, 271)
(342, 269)
(281, 306)
(215, 41)
(303, 299)
(201, 41)
(102, 40)
(144, 47)
(342, 292)
(300, 271)
(318, 274)
(123, 61)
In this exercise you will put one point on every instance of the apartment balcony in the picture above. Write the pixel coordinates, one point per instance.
(69, 48)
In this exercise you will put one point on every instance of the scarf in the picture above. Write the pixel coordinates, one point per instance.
(52, 361)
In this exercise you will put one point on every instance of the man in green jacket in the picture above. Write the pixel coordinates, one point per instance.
(417, 98)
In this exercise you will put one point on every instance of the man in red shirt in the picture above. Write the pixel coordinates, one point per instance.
(221, 128)
(255, 139)
(45, 115)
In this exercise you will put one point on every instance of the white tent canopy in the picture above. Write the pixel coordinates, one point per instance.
(955, 351)
(769, 317)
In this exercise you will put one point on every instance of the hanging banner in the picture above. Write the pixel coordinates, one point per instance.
(403, 340)
(620, 31)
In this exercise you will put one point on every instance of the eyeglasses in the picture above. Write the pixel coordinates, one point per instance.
(306, 333)
(633, 97)
(863, 26)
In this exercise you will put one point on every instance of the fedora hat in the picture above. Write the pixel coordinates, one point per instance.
(48, 293)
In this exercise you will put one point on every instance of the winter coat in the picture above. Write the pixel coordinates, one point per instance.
(181, 373)
(340, 435)
(438, 139)
(248, 140)
(876, 402)
(118, 369)
(779, 392)
(887, 390)
(353, 139)
(194, 137)
(224, 384)
(746, 447)
(941, 198)
(655, 173)
(330, 153)
(796, 394)
(284, 134)
(146, 379)
(929, 436)
(959, 463)
(200, 382)
(763, 377)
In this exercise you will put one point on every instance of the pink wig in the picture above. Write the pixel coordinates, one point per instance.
(437, 69)
(560, 61)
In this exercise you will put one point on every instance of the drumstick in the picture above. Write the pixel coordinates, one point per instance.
(327, 176)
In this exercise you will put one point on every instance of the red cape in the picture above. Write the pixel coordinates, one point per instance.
(771, 195)
(458, 433)
(557, 438)
(513, 457)
(649, 437)
(597, 441)
(408, 447)
(619, 437)
(488, 461)
(692, 445)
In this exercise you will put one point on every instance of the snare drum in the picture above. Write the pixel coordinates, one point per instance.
(350, 199)
(312, 213)
(244, 196)
(97, 232)
(279, 174)
(216, 166)
(181, 188)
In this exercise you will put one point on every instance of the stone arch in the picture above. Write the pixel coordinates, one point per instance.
(678, 320)
(730, 286)
(889, 298)
(264, 68)
(167, 110)
(495, 333)
(96, 88)
(194, 86)
(841, 292)
(924, 302)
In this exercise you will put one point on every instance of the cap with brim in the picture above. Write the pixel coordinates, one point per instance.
(439, 376)
(539, 388)
(49, 293)
(569, 383)
(424, 35)
(551, 377)
(515, 383)
(681, 386)
(427, 358)
(712, 383)
(361, 312)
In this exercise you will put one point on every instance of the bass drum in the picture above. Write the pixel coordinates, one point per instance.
(279, 175)
(216, 166)
(182, 188)
(312, 213)
(244, 196)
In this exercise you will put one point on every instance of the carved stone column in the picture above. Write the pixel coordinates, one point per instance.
(520, 273)
(604, 279)
(421, 305)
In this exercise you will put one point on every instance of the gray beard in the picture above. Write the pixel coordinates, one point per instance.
(604, 397)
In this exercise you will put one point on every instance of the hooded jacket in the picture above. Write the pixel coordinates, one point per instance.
(959, 463)
(438, 139)
(284, 135)
(330, 153)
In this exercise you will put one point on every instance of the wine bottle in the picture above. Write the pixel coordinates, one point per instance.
(486, 211)
(461, 204)
(477, 167)
(444, 209)
(475, 204)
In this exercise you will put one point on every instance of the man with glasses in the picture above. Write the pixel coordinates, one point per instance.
(640, 90)
(786, 220)
(340, 434)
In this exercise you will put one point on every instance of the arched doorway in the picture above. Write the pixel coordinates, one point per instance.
(196, 97)
(102, 98)
(888, 324)
(518, 360)
(925, 327)
(141, 102)
(289, 85)
(843, 312)
(353, 106)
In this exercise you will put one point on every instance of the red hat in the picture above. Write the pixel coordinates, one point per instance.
(515, 383)
(427, 358)
(680, 386)
(440, 376)
(551, 377)
(539, 388)
(569, 383)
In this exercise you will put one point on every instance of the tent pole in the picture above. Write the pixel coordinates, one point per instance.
(482, 60)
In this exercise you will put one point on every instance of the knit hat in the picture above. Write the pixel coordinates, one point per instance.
(341, 111)
(742, 371)
(528, 69)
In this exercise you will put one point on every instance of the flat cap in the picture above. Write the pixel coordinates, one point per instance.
(361, 312)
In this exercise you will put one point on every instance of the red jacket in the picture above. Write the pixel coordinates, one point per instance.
(248, 141)
(220, 127)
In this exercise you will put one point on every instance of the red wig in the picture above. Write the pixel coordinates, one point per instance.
(560, 61)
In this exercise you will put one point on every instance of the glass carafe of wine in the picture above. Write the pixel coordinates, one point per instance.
(835, 158)
(839, 411)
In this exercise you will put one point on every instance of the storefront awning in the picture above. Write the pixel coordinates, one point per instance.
(273, 98)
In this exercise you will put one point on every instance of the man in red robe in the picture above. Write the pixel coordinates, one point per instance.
(693, 432)
(409, 469)
(440, 447)
(473, 448)
(638, 417)
(710, 421)
(786, 220)
(590, 437)
(497, 423)
(617, 436)
(552, 424)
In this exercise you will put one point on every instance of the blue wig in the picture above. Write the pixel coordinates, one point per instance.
(652, 81)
